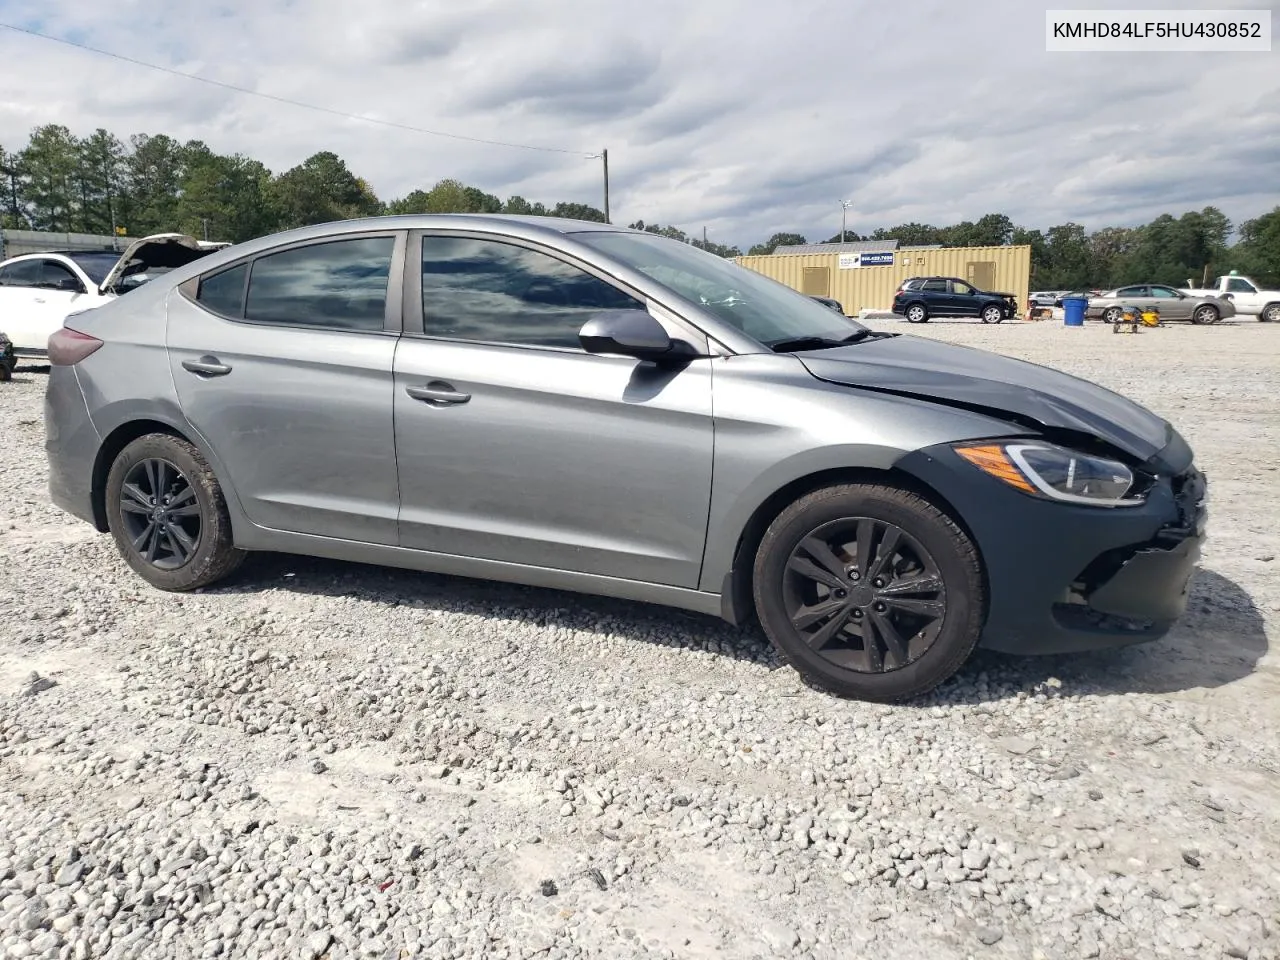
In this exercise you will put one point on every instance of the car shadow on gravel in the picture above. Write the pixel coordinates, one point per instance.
(1218, 641)
(534, 606)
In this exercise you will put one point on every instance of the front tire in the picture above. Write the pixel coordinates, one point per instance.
(992, 314)
(917, 313)
(168, 516)
(869, 591)
(1205, 314)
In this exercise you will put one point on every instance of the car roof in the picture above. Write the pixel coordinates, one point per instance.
(65, 256)
(426, 221)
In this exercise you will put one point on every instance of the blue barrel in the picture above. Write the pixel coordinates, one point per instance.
(1073, 310)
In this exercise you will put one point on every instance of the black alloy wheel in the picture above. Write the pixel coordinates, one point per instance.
(168, 515)
(160, 513)
(869, 591)
(865, 595)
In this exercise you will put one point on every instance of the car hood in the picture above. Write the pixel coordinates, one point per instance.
(167, 250)
(994, 384)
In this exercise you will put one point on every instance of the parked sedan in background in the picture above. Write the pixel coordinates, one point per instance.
(573, 405)
(38, 290)
(1172, 304)
(920, 298)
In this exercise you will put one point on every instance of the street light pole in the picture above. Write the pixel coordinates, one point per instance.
(604, 156)
(844, 209)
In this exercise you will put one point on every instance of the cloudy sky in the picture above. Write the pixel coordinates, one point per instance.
(744, 116)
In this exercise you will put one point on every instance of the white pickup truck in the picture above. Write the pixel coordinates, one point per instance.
(1247, 296)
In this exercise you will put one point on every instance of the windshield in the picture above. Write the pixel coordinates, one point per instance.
(95, 265)
(763, 309)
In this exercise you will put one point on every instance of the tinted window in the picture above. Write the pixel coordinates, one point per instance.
(224, 292)
(935, 286)
(341, 284)
(1131, 292)
(493, 291)
(1164, 293)
(56, 276)
(1236, 285)
(24, 273)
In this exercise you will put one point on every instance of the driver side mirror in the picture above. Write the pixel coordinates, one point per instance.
(631, 333)
(68, 285)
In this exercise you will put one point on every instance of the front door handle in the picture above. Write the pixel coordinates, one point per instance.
(206, 366)
(437, 392)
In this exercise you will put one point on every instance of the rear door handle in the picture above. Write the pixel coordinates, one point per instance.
(437, 392)
(206, 366)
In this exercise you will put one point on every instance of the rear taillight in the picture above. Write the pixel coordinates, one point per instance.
(68, 347)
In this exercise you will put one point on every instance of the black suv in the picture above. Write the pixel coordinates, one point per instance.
(920, 298)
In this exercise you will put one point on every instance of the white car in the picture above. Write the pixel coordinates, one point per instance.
(39, 290)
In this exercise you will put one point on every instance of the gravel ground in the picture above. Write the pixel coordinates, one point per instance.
(330, 760)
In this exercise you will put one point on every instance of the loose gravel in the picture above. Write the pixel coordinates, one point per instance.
(330, 760)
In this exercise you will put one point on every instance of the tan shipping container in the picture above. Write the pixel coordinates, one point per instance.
(997, 269)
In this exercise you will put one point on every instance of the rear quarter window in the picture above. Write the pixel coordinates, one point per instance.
(223, 292)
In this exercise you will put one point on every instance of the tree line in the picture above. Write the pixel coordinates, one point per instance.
(100, 184)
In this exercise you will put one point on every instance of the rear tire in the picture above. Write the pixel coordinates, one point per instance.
(862, 625)
(1270, 313)
(168, 516)
(1112, 314)
(917, 313)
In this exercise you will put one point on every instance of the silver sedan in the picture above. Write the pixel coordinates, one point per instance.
(583, 407)
(1172, 304)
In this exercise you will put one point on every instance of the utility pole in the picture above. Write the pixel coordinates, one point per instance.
(204, 221)
(704, 238)
(604, 156)
(844, 209)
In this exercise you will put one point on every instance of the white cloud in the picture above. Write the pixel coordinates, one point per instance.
(742, 115)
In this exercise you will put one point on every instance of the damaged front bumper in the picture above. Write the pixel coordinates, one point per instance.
(1063, 579)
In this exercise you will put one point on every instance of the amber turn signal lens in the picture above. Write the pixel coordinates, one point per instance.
(993, 460)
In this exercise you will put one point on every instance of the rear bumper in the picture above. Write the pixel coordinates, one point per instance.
(71, 444)
(1062, 578)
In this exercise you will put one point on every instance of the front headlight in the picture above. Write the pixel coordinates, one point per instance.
(1058, 473)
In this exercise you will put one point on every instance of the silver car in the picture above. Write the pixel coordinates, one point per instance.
(1170, 303)
(578, 406)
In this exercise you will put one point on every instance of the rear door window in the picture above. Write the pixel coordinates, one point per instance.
(24, 273)
(338, 284)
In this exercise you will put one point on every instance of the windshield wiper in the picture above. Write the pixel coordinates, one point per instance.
(867, 334)
(824, 343)
(803, 343)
